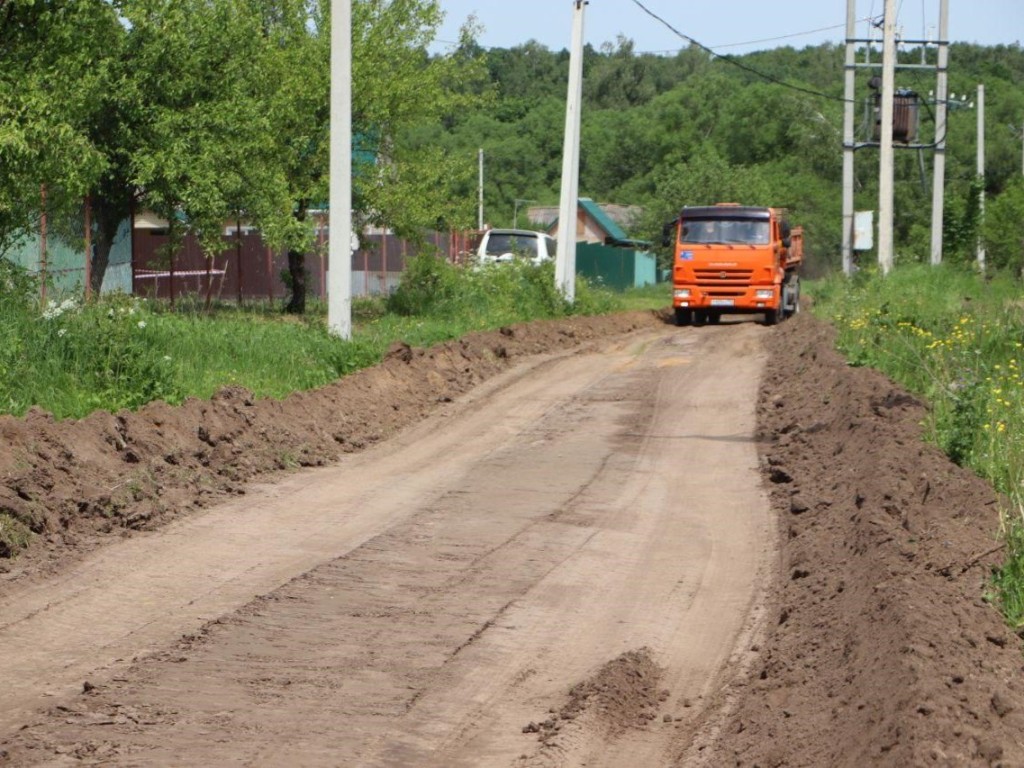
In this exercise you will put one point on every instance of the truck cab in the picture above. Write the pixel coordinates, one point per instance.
(730, 258)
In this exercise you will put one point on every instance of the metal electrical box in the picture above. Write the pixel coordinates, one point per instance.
(863, 230)
(905, 116)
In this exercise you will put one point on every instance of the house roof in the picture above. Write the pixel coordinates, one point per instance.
(611, 229)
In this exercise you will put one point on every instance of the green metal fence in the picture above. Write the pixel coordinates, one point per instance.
(615, 268)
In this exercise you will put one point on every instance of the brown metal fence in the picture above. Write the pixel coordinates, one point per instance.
(248, 269)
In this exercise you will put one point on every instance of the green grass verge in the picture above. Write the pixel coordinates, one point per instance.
(123, 352)
(957, 339)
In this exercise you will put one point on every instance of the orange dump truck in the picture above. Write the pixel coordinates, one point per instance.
(731, 258)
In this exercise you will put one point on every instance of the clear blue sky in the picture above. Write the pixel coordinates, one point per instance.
(735, 26)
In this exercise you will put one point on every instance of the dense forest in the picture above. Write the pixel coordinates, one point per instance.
(765, 128)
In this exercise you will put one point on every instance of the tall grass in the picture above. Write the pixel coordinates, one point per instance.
(957, 339)
(122, 352)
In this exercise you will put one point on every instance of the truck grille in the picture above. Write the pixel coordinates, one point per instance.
(723, 276)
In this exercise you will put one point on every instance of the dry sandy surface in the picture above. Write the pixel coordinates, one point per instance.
(600, 542)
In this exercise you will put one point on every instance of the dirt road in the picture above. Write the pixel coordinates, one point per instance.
(553, 570)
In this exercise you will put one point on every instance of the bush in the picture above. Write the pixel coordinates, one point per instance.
(428, 285)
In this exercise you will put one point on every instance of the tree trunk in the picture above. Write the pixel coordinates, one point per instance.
(100, 259)
(110, 207)
(297, 272)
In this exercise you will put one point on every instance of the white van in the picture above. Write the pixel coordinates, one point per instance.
(503, 245)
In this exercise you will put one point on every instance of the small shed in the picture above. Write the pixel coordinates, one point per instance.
(605, 254)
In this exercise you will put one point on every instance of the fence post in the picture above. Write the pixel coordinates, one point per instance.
(323, 261)
(170, 261)
(270, 276)
(42, 245)
(88, 248)
(238, 255)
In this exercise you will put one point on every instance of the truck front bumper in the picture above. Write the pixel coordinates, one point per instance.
(753, 298)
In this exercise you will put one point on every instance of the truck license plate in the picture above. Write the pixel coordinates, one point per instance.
(722, 302)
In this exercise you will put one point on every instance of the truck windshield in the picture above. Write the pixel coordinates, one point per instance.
(738, 231)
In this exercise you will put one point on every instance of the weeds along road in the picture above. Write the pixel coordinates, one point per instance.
(576, 548)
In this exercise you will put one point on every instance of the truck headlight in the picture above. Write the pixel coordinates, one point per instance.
(682, 293)
(764, 293)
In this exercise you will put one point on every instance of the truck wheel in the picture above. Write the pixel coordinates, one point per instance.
(684, 316)
(714, 317)
(700, 317)
(771, 317)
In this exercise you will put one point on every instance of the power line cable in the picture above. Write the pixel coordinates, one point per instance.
(734, 62)
(783, 37)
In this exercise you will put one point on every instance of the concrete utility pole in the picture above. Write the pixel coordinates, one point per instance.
(941, 110)
(887, 158)
(565, 260)
(339, 250)
(981, 176)
(480, 191)
(849, 93)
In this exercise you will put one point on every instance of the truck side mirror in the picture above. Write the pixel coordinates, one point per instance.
(786, 242)
(666, 233)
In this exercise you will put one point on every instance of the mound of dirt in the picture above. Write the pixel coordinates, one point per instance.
(622, 694)
(882, 650)
(67, 485)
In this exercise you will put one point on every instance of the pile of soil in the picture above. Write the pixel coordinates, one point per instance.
(68, 485)
(882, 648)
(622, 694)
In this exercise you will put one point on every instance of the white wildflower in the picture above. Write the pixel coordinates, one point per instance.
(142, 323)
(54, 310)
(61, 332)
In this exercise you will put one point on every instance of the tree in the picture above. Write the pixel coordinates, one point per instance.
(206, 149)
(48, 77)
(1004, 228)
(396, 86)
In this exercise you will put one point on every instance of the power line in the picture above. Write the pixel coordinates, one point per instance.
(722, 45)
(734, 62)
(784, 37)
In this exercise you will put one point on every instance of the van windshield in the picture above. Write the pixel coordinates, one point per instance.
(499, 243)
(738, 231)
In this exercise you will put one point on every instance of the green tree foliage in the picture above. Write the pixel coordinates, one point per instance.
(48, 79)
(209, 110)
(1004, 228)
(666, 131)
